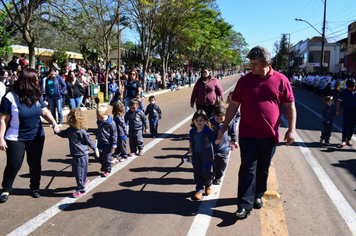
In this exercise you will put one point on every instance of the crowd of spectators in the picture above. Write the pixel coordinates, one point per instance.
(327, 84)
(87, 74)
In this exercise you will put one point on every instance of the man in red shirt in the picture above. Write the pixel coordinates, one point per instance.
(22, 61)
(260, 95)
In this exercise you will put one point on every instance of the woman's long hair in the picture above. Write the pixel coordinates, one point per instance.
(136, 77)
(27, 87)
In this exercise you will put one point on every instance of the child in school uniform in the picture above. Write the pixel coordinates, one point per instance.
(201, 147)
(137, 122)
(327, 115)
(221, 151)
(118, 112)
(117, 97)
(107, 138)
(154, 114)
(79, 141)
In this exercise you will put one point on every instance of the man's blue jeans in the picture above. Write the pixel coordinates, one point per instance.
(256, 156)
(56, 103)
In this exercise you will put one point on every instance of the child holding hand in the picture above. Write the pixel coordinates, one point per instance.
(79, 141)
(107, 138)
(118, 111)
(137, 122)
(202, 140)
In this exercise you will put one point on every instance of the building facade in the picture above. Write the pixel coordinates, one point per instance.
(351, 49)
(306, 56)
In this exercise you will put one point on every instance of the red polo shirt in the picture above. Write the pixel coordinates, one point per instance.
(261, 103)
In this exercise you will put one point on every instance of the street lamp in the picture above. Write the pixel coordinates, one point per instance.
(297, 19)
(322, 35)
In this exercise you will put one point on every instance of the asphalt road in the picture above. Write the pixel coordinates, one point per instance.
(311, 187)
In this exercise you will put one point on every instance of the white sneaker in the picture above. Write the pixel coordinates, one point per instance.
(59, 125)
(114, 161)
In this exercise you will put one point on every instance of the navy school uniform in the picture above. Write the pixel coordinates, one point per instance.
(221, 151)
(327, 116)
(154, 114)
(137, 122)
(121, 137)
(107, 138)
(79, 141)
(202, 156)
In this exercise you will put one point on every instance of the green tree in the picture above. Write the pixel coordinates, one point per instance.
(61, 55)
(176, 16)
(144, 16)
(4, 38)
(21, 13)
(281, 57)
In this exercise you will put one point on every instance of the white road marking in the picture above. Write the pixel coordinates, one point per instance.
(330, 188)
(202, 219)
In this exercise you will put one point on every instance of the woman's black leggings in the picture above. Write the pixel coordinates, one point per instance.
(15, 153)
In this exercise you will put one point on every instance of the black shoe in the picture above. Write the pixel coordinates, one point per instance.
(217, 181)
(36, 193)
(258, 203)
(4, 197)
(242, 213)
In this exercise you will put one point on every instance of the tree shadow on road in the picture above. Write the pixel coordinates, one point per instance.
(152, 202)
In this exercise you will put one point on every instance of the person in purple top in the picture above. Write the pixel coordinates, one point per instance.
(260, 101)
(205, 93)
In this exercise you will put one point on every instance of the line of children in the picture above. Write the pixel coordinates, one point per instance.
(137, 123)
(107, 138)
(201, 146)
(118, 112)
(78, 146)
(327, 115)
(154, 114)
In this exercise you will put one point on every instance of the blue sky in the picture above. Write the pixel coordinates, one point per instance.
(263, 22)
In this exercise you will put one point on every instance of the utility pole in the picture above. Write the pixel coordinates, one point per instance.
(323, 41)
(118, 45)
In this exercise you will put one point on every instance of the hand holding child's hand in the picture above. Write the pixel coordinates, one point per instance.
(146, 131)
(233, 145)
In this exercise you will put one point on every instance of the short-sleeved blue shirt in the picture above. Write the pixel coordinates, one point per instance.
(348, 97)
(131, 88)
(25, 123)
